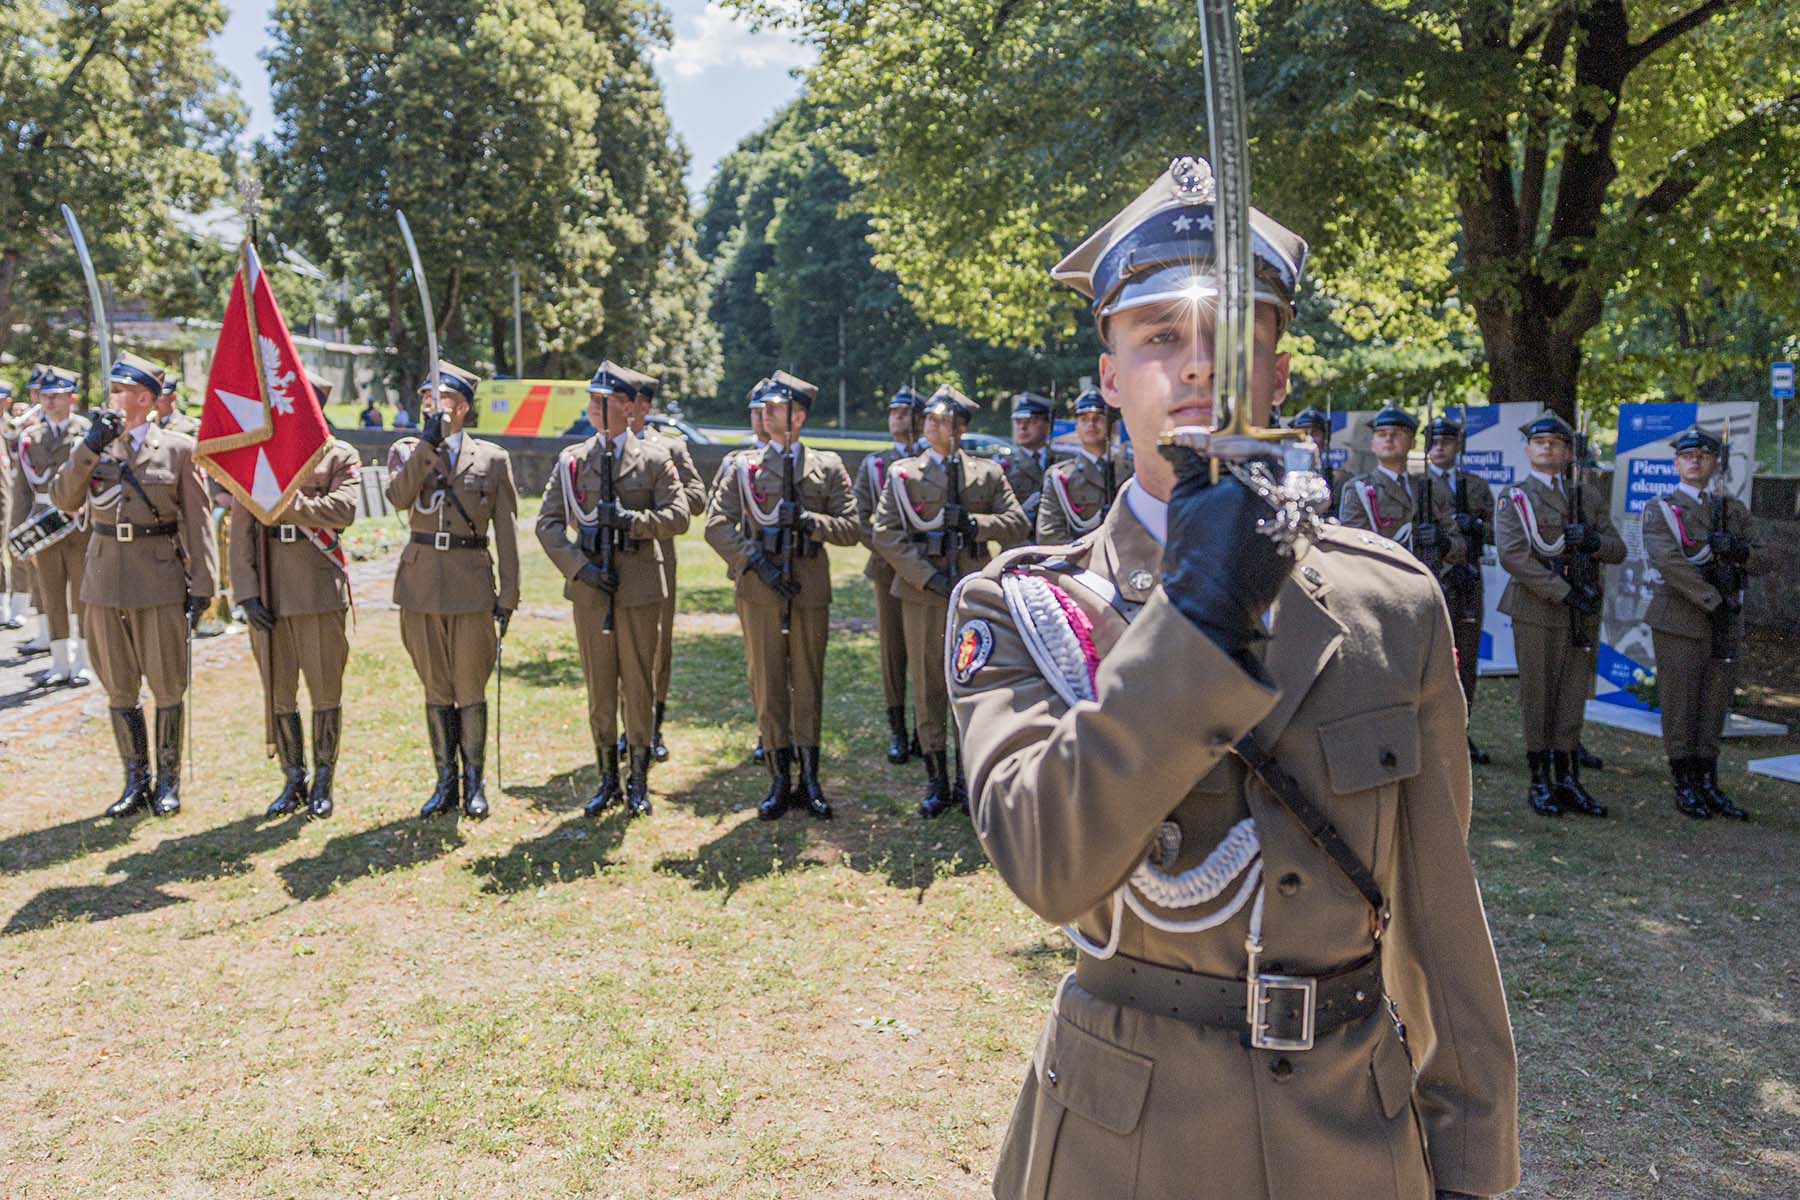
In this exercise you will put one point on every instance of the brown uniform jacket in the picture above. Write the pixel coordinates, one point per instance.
(1535, 590)
(1682, 603)
(457, 580)
(1025, 475)
(1084, 482)
(824, 490)
(715, 494)
(871, 481)
(180, 422)
(41, 453)
(925, 483)
(1363, 710)
(1397, 509)
(151, 571)
(302, 579)
(693, 487)
(645, 481)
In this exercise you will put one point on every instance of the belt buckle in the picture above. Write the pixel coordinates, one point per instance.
(287, 533)
(124, 531)
(440, 540)
(1263, 990)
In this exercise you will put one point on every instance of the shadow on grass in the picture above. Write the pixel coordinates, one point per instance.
(576, 849)
(365, 853)
(217, 853)
(59, 844)
(559, 793)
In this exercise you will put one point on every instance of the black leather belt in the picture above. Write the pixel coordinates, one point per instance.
(1275, 1012)
(125, 531)
(449, 541)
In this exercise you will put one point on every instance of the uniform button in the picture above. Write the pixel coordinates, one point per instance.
(1289, 884)
(1388, 759)
(1281, 1068)
(1050, 1074)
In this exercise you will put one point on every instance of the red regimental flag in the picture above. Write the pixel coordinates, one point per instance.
(261, 429)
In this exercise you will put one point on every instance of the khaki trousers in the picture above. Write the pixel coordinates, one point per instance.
(56, 590)
(618, 666)
(133, 645)
(665, 624)
(1696, 691)
(1553, 686)
(452, 652)
(1465, 627)
(787, 674)
(925, 650)
(890, 628)
(311, 644)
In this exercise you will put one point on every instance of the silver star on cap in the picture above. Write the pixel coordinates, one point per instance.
(1182, 224)
(1142, 580)
(1192, 178)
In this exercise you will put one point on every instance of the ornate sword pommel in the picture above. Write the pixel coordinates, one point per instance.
(1290, 447)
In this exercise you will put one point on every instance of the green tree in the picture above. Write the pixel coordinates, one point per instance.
(122, 111)
(1506, 169)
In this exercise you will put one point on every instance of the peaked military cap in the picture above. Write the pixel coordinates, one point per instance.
(453, 377)
(949, 402)
(1030, 404)
(55, 379)
(646, 384)
(1395, 418)
(1310, 418)
(1160, 247)
(1443, 427)
(170, 387)
(1696, 438)
(1090, 401)
(783, 388)
(907, 398)
(1548, 423)
(320, 385)
(756, 390)
(136, 371)
(37, 374)
(609, 376)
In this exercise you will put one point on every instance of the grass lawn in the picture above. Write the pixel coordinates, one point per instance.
(702, 1004)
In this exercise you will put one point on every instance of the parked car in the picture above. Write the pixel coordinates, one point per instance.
(985, 445)
(680, 428)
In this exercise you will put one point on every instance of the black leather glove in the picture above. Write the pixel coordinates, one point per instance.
(601, 581)
(1583, 598)
(107, 426)
(433, 433)
(502, 618)
(958, 519)
(941, 583)
(770, 574)
(196, 606)
(1465, 522)
(1431, 536)
(1219, 570)
(258, 614)
(612, 515)
(1581, 537)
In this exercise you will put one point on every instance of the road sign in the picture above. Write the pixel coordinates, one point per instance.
(1781, 381)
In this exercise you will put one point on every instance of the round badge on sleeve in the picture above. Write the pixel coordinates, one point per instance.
(974, 645)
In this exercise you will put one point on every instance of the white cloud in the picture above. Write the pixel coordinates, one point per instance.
(720, 38)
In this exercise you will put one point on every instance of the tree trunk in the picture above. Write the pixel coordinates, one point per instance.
(498, 330)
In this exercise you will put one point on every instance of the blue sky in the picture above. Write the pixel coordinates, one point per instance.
(720, 78)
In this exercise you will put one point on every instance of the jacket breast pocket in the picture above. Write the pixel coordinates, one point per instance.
(1085, 1135)
(1367, 757)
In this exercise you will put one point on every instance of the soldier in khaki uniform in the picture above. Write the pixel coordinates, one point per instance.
(149, 573)
(15, 573)
(169, 412)
(1077, 495)
(759, 440)
(1252, 1014)
(890, 626)
(459, 491)
(1318, 427)
(42, 447)
(1698, 539)
(1390, 501)
(621, 490)
(771, 521)
(291, 580)
(1031, 455)
(1471, 504)
(933, 525)
(693, 492)
(1556, 621)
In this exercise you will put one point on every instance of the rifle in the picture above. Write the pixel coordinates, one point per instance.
(1467, 577)
(608, 536)
(1431, 555)
(1725, 575)
(953, 538)
(1579, 567)
(790, 512)
(1109, 481)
